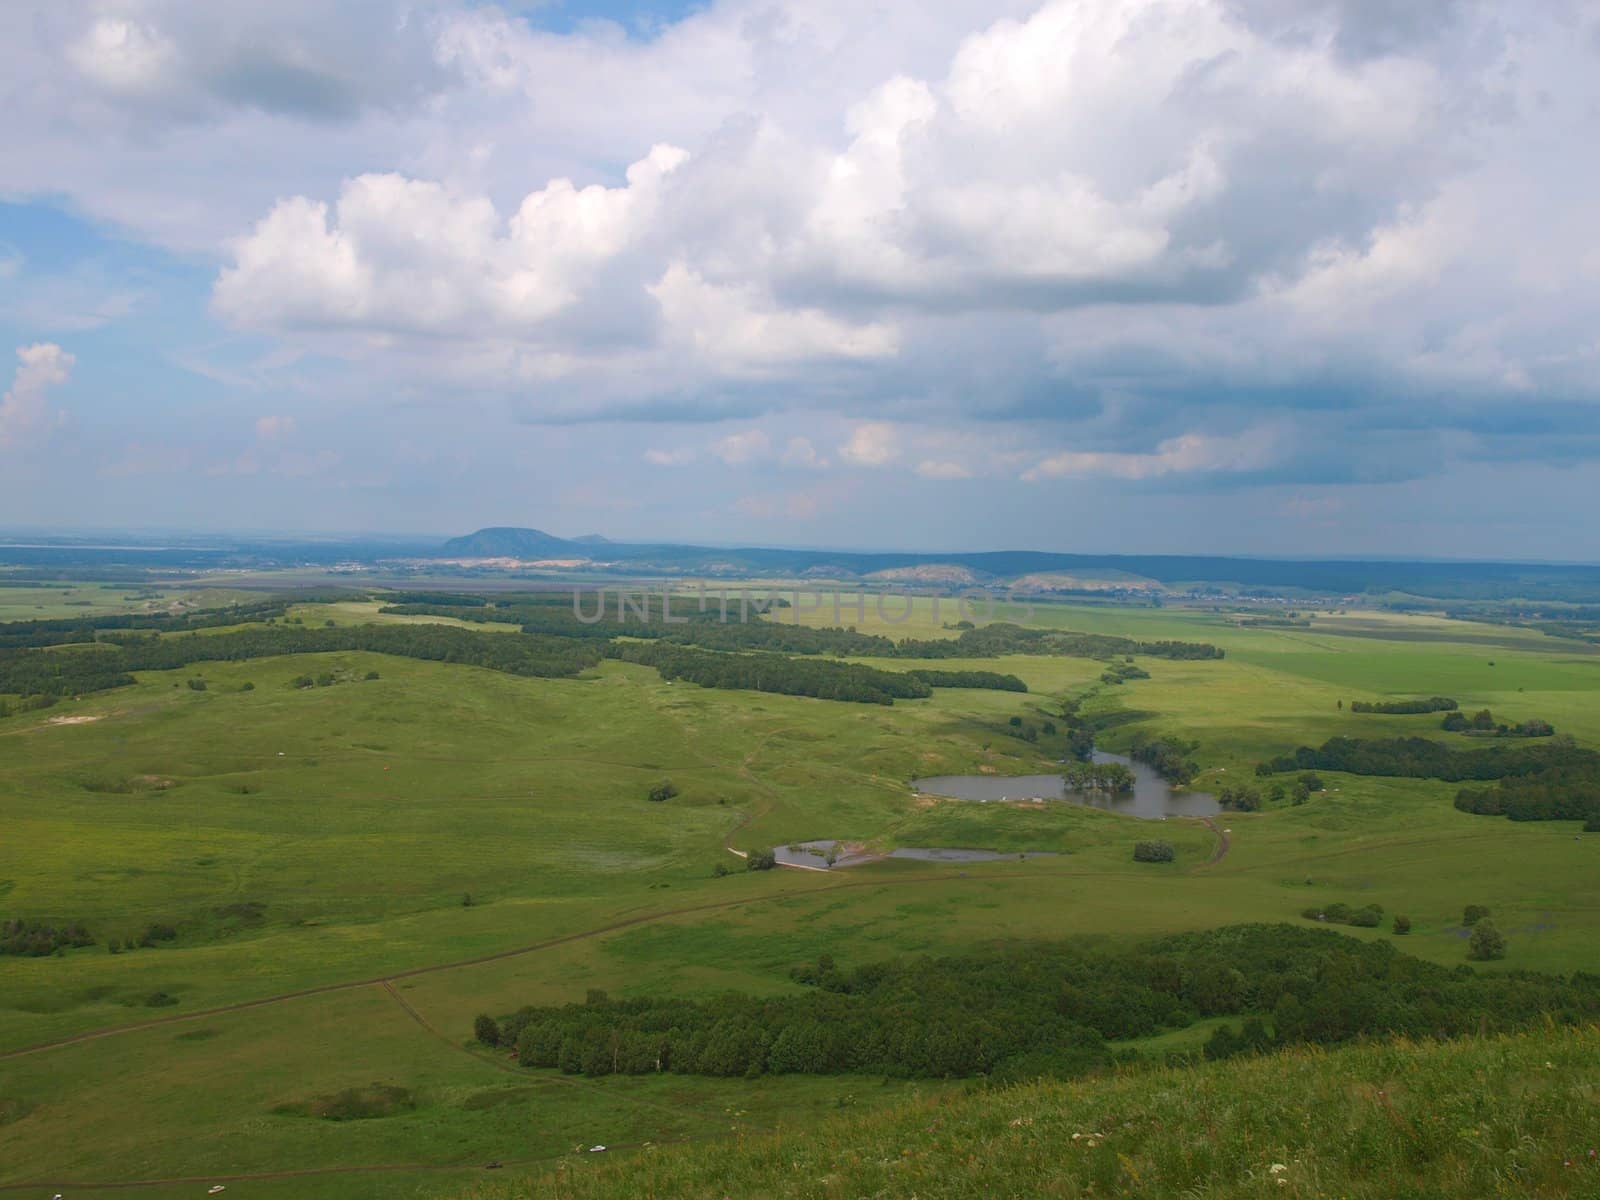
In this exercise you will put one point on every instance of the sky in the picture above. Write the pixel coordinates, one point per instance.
(1287, 277)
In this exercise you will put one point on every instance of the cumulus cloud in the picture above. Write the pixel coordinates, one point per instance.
(1188, 454)
(397, 254)
(1117, 224)
(178, 61)
(873, 444)
(735, 328)
(800, 452)
(743, 447)
(930, 468)
(24, 409)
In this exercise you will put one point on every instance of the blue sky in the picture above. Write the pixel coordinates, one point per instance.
(1225, 276)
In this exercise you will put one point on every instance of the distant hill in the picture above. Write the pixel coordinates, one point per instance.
(511, 542)
(1039, 572)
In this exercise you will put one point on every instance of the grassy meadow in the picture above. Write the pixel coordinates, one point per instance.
(354, 871)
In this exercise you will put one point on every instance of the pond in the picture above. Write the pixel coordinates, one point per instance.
(1151, 799)
(853, 854)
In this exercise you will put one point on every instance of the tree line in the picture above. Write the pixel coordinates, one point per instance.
(1040, 1009)
(1398, 708)
(1569, 792)
(1423, 758)
(992, 680)
(764, 672)
(1483, 724)
(71, 672)
(65, 631)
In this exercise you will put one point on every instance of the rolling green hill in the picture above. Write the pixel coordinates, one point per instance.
(1466, 1120)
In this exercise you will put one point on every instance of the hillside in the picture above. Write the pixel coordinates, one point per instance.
(1514, 1116)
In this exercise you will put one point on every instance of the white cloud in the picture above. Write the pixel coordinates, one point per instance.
(746, 446)
(873, 444)
(681, 456)
(1107, 220)
(271, 428)
(801, 453)
(930, 468)
(398, 254)
(1192, 453)
(736, 329)
(24, 411)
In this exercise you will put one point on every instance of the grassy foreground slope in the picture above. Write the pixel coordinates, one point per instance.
(1516, 1116)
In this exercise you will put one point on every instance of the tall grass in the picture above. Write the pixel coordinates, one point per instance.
(1509, 1116)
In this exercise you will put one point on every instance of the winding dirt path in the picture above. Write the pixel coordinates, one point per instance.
(1224, 843)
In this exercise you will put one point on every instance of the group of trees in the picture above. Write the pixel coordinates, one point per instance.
(763, 672)
(1157, 852)
(1239, 799)
(1398, 708)
(71, 672)
(35, 939)
(1483, 724)
(1369, 916)
(1002, 637)
(992, 680)
(1122, 672)
(1569, 792)
(1169, 757)
(66, 631)
(1097, 777)
(1554, 781)
(1040, 1009)
(1423, 758)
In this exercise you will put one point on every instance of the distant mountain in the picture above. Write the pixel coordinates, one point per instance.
(510, 542)
(1036, 572)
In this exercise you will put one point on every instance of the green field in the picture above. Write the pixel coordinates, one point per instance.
(314, 849)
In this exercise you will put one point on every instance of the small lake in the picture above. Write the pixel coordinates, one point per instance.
(815, 855)
(1151, 799)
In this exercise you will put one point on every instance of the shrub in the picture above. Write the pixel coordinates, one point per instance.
(1487, 943)
(1154, 852)
(33, 940)
(157, 933)
(665, 790)
(486, 1029)
(1472, 914)
(1402, 925)
(761, 860)
(719, 870)
(1311, 781)
(325, 679)
(247, 686)
(302, 681)
(160, 1000)
(372, 675)
(197, 685)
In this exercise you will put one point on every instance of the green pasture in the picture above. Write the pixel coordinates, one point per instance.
(327, 838)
